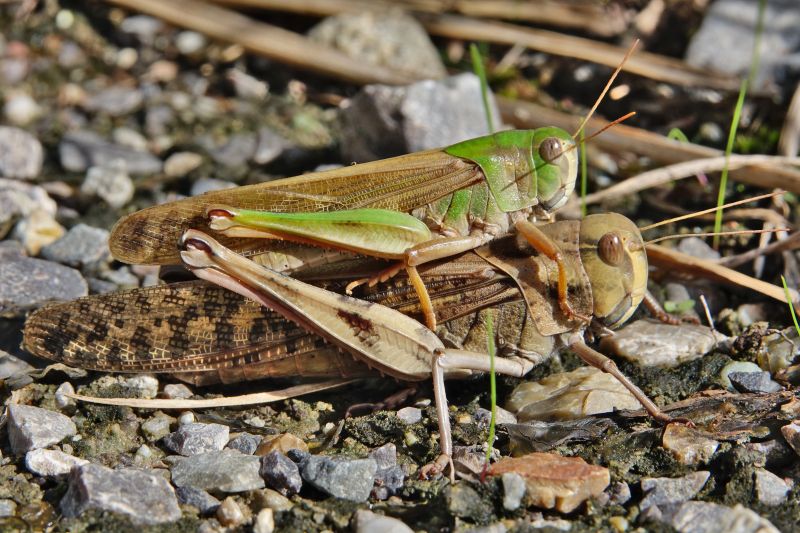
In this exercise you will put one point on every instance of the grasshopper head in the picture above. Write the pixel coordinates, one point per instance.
(614, 256)
(555, 160)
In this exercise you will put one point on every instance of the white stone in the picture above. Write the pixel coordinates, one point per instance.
(51, 463)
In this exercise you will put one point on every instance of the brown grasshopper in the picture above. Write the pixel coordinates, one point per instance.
(604, 255)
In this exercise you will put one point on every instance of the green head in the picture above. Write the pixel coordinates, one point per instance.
(614, 257)
(525, 168)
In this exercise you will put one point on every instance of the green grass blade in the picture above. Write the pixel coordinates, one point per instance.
(492, 384)
(737, 113)
(584, 170)
(791, 305)
(480, 71)
(677, 135)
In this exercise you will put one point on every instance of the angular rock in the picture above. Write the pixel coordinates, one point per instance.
(697, 247)
(707, 517)
(31, 427)
(270, 146)
(37, 230)
(409, 415)
(570, 395)
(51, 463)
(753, 382)
(463, 501)
(229, 513)
(177, 391)
(204, 185)
(536, 436)
(667, 491)
(384, 121)
(349, 479)
(736, 367)
(390, 476)
(389, 39)
(21, 154)
(245, 443)
(141, 386)
(281, 473)
(157, 426)
(82, 246)
(7, 508)
(688, 446)
(514, 488)
(198, 498)
(11, 366)
(556, 482)
(649, 343)
(282, 443)
(109, 182)
(273, 500)
(791, 432)
(771, 489)
(484, 416)
(226, 471)
(21, 109)
(145, 496)
(236, 152)
(82, 149)
(196, 438)
(724, 41)
(365, 521)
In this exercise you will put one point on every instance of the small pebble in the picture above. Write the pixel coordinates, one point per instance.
(82, 246)
(111, 183)
(268, 498)
(157, 426)
(180, 164)
(190, 42)
(141, 386)
(736, 366)
(7, 508)
(186, 417)
(513, 490)
(281, 473)
(245, 443)
(409, 415)
(225, 471)
(203, 501)
(20, 109)
(688, 446)
(755, 382)
(196, 438)
(38, 230)
(265, 521)
(771, 489)
(204, 185)
(51, 463)
(130, 138)
(143, 453)
(30, 428)
(177, 391)
(666, 491)
(281, 443)
(21, 154)
(791, 432)
(62, 400)
(349, 479)
(365, 521)
(229, 513)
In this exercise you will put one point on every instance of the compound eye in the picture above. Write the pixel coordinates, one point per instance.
(611, 249)
(550, 149)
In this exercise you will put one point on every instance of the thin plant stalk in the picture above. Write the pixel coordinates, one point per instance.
(737, 113)
(480, 71)
(584, 171)
(791, 305)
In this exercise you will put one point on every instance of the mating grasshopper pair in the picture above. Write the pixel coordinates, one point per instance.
(569, 274)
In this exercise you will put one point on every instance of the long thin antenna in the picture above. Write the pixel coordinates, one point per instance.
(711, 210)
(601, 130)
(716, 233)
(607, 87)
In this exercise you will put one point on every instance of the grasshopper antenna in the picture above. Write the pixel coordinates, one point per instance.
(711, 210)
(606, 89)
(716, 233)
(601, 130)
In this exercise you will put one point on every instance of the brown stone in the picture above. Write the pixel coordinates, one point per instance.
(688, 446)
(282, 443)
(554, 481)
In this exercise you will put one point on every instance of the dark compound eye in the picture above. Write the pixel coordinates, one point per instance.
(550, 149)
(611, 249)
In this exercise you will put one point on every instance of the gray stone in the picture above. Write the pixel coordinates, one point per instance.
(31, 427)
(144, 27)
(226, 471)
(514, 488)
(196, 438)
(202, 500)
(246, 86)
(619, 493)
(157, 426)
(706, 517)
(177, 391)
(650, 343)
(11, 250)
(281, 473)
(21, 154)
(666, 491)
(464, 501)
(51, 463)
(145, 496)
(349, 479)
(269, 147)
(390, 476)
(753, 382)
(736, 367)
(71, 55)
(204, 185)
(484, 416)
(725, 40)
(389, 39)
(11, 366)
(697, 247)
(157, 120)
(245, 443)
(771, 489)
(79, 150)
(109, 182)
(116, 101)
(409, 415)
(384, 121)
(141, 386)
(366, 521)
(181, 163)
(190, 42)
(82, 246)
(7, 508)
(236, 152)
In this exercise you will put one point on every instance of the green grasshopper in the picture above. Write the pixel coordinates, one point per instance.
(208, 333)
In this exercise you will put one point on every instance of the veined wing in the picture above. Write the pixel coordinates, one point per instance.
(402, 183)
